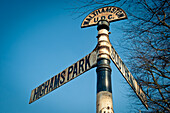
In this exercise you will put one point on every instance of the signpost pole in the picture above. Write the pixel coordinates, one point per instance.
(104, 89)
(99, 57)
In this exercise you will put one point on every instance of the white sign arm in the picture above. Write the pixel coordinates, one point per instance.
(128, 76)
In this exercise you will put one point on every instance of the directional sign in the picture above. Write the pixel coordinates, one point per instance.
(65, 76)
(128, 76)
(110, 14)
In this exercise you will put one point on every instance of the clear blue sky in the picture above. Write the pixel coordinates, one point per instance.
(39, 39)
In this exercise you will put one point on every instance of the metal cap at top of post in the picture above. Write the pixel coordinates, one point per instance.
(103, 24)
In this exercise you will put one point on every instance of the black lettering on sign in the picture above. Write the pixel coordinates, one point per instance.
(93, 14)
(98, 12)
(110, 17)
(81, 63)
(70, 69)
(131, 79)
(35, 94)
(103, 18)
(63, 77)
(51, 84)
(103, 10)
(116, 58)
(88, 19)
(120, 64)
(42, 90)
(38, 92)
(75, 70)
(143, 97)
(113, 54)
(123, 68)
(86, 22)
(56, 81)
(127, 73)
(119, 13)
(139, 92)
(87, 62)
(96, 19)
(46, 85)
(113, 10)
(108, 9)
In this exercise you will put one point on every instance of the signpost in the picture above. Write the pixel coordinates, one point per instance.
(100, 58)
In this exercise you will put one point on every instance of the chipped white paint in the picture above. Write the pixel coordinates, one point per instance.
(103, 44)
(104, 102)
